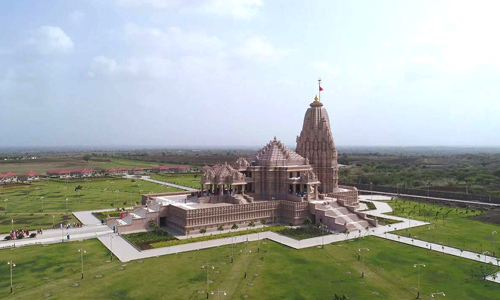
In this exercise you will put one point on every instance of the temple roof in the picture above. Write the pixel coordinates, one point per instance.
(275, 153)
(222, 174)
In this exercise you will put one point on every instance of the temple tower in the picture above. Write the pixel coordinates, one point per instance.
(315, 143)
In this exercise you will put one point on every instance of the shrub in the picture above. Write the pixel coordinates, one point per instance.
(7, 238)
(32, 235)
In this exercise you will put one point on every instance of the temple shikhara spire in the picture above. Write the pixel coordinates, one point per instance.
(315, 142)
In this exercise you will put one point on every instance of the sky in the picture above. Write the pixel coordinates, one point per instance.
(239, 72)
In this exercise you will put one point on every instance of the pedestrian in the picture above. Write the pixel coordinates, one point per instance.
(61, 225)
(67, 235)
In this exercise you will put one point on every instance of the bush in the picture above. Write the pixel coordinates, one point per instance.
(7, 238)
(32, 235)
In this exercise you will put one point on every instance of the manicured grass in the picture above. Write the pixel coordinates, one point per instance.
(302, 233)
(384, 221)
(42, 165)
(33, 221)
(97, 193)
(283, 273)
(143, 240)
(216, 236)
(370, 205)
(456, 230)
(187, 180)
(149, 240)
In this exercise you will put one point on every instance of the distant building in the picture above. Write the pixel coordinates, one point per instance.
(8, 177)
(30, 176)
(59, 173)
(137, 170)
(83, 173)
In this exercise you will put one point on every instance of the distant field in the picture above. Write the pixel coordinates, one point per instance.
(277, 272)
(40, 166)
(95, 194)
(187, 180)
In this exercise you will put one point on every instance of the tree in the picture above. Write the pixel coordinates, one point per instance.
(87, 157)
(251, 224)
(203, 231)
(234, 227)
(263, 222)
(307, 221)
(220, 228)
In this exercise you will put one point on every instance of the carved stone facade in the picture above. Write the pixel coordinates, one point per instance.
(275, 184)
(315, 143)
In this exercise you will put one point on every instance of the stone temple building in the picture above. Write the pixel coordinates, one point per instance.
(277, 184)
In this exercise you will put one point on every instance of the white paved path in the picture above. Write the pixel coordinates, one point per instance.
(59, 235)
(147, 178)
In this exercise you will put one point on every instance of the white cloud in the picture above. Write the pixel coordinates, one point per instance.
(76, 17)
(172, 39)
(258, 48)
(237, 9)
(51, 40)
(137, 68)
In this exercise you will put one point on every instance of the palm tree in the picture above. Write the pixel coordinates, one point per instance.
(234, 227)
(220, 228)
(203, 231)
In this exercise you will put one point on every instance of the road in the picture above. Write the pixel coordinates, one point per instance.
(147, 178)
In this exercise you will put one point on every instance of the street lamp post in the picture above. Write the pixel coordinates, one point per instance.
(53, 221)
(111, 247)
(12, 222)
(245, 254)
(67, 204)
(218, 292)
(12, 265)
(81, 254)
(362, 261)
(6, 202)
(493, 241)
(207, 267)
(438, 294)
(41, 198)
(322, 227)
(484, 254)
(418, 280)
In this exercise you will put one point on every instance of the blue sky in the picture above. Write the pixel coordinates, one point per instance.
(239, 72)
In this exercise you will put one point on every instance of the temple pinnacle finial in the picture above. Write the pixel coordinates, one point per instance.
(275, 138)
(316, 99)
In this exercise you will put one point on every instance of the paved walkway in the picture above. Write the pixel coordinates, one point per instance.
(147, 178)
(431, 198)
(59, 235)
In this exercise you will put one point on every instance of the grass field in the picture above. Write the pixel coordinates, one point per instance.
(188, 180)
(40, 166)
(277, 272)
(24, 203)
(456, 230)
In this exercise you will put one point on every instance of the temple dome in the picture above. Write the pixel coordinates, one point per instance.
(275, 153)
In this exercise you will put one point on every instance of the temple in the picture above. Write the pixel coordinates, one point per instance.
(275, 185)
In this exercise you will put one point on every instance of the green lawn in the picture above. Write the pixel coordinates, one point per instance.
(42, 165)
(96, 194)
(188, 180)
(283, 273)
(457, 229)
